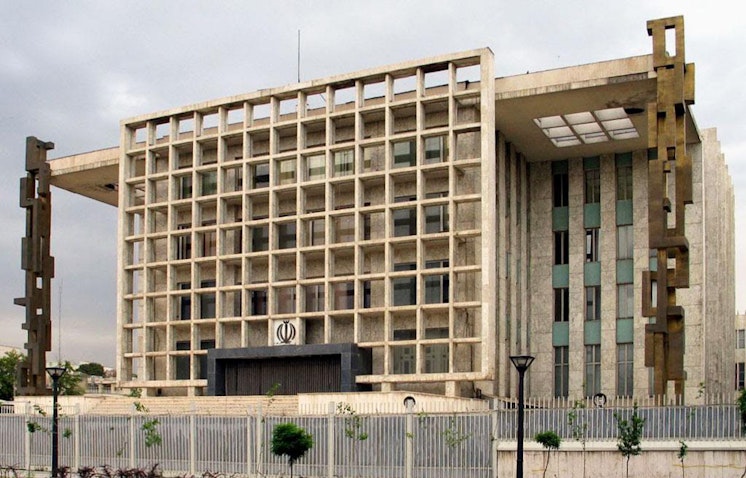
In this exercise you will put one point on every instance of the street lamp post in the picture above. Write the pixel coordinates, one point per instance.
(55, 373)
(521, 363)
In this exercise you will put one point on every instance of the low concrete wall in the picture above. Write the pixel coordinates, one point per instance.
(388, 402)
(716, 459)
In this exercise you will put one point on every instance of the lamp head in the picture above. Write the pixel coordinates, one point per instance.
(55, 372)
(522, 362)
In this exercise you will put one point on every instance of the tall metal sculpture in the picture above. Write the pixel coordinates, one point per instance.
(669, 191)
(36, 198)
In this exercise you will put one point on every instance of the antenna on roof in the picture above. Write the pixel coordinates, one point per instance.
(299, 55)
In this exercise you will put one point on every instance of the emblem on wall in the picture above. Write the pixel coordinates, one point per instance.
(285, 332)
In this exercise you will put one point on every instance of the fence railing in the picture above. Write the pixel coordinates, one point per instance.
(412, 445)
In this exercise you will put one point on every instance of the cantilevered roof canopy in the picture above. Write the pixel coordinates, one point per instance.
(583, 95)
(94, 175)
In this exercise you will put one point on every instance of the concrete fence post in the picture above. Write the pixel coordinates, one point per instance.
(193, 439)
(259, 440)
(409, 449)
(132, 437)
(493, 439)
(76, 438)
(330, 441)
(248, 442)
(27, 441)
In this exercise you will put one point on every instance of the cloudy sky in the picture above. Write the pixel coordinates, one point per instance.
(69, 71)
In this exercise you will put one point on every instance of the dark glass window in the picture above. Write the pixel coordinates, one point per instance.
(592, 186)
(561, 371)
(561, 247)
(591, 245)
(559, 190)
(561, 305)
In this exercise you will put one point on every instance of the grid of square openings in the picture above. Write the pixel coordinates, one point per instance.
(272, 193)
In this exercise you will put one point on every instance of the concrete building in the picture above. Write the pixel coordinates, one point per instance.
(410, 227)
(740, 353)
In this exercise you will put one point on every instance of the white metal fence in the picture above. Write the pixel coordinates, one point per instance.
(413, 445)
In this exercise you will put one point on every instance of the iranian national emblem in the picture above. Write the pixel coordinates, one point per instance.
(285, 332)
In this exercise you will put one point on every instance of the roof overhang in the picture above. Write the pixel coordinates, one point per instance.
(94, 175)
(629, 84)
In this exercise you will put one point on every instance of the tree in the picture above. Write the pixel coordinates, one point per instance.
(550, 441)
(630, 435)
(70, 382)
(8, 369)
(92, 369)
(291, 440)
(683, 450)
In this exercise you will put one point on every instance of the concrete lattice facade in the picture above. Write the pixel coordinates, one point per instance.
(360, 221)
(435, 216)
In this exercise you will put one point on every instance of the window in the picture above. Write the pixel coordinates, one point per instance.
(209, 183)
(741, 338)
(185, 302)
(560, 190)
(182, 361)
(740, 375)
(624, 242)
(259, 302)
(207, 301)
(286, 238)
(185, 187)
(314, 298)
(625, 301)
(344, 163)
(405, 222)
(593, 303)
(623, 183)
(405, 154)
(591, 245)
(316, 232)
(592, 370)
(184, 243)
(259, 238)
(561, 305)
(436, 286)
(344, 228)
(624, 369)
(561, 247)
(261, 175)
(366, 226)
(366, 294)
(285, 297)
(436, 219)
(344, 295)
(286, 171)
(592, 186)
(405, 288)
(561, 371)
(202, 359)
(209, 240)
(436, 149)
(404, 356)
(373, 158)
(315, 167)
(436, 355)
